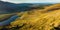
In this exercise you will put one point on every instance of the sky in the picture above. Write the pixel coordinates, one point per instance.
(32, 1)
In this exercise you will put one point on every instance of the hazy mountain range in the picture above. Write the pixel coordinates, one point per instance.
(6, 7)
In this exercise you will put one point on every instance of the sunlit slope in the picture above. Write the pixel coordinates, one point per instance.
(38, 19)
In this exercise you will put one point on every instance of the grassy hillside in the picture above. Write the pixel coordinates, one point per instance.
(37, 19)
(5, 16)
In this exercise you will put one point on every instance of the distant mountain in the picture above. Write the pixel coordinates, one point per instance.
(28, 6)
(6, 7)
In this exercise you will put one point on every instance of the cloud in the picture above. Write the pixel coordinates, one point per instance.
(32, 1)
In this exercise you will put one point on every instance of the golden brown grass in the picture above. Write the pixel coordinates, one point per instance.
(4, 16)
(38, 19)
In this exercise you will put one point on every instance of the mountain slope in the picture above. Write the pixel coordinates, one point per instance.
(36, 20)
(6, 7)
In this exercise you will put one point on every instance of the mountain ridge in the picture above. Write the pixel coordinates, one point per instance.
(6, 7)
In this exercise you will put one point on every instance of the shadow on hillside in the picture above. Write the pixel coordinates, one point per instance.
(6, 7)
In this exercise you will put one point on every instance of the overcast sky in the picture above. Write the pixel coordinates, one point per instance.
(33, 1)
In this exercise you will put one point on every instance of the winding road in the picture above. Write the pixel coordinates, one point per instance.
(6, 22)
